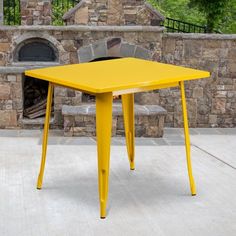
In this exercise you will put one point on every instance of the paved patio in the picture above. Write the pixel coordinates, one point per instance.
(152, 200)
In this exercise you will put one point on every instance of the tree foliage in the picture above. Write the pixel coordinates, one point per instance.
(11, 12)
(219, 15)
(228, 22)
(179, 10)
(214, 10)
(59, 8)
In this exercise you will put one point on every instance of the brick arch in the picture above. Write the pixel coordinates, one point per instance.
(112, 47)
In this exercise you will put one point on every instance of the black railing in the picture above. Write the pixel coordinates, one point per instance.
(11, 12)
(174, 26)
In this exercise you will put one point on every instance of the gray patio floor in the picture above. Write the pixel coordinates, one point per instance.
(152, 200)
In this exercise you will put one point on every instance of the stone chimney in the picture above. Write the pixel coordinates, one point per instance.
(36, 12)
(113, 12)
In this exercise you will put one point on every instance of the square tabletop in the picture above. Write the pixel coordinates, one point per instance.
(116, 75)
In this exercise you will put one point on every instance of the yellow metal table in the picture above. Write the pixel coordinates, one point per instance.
(105, 79)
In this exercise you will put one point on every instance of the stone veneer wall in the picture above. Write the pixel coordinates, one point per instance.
(10, 100)
(68, 40)
(211, 102)
(113, 12)
(36, 12)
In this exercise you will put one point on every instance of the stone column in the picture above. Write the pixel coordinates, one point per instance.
(1, 12)
(36, 12)
(115, 14)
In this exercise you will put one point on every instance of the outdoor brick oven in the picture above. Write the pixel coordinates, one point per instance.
(98, 38)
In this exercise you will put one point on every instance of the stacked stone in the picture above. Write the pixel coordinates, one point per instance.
(64, 96)
(5, 47)
(11, 102)
(35, 12)
(115, 41)
(112, 47)
(81, 120)
(211, 102)
(113, 12)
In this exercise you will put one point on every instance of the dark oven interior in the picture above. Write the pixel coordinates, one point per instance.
(35, 90)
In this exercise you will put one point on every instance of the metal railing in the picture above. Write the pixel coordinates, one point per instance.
(176, 26)
(11, 12)
(59, 8)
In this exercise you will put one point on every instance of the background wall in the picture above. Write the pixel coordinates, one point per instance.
(211, 102)
(67, 40)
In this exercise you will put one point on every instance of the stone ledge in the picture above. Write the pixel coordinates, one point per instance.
(21, 67)
(81, 120)
(85, 28)
(37, 121)
(200, 36)
(90, 109)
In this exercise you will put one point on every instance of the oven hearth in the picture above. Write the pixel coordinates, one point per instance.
(35, 98)
(35, 51)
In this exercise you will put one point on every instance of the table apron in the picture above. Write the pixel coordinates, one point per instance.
(147, 88)
(70, 87)
(128, 91)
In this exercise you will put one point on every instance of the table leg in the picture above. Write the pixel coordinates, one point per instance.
(103, 129)
(187, 139)
(45, 135)
(128, 113)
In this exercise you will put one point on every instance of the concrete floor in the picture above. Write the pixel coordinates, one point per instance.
(152, 200)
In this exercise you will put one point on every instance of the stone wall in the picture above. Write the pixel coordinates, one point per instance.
(113, 12)
(211, 102)
(35, 12)
(10, 100)
(143, 42)
(81, 120)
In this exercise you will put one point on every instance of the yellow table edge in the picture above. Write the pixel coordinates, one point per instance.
(141, 86)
